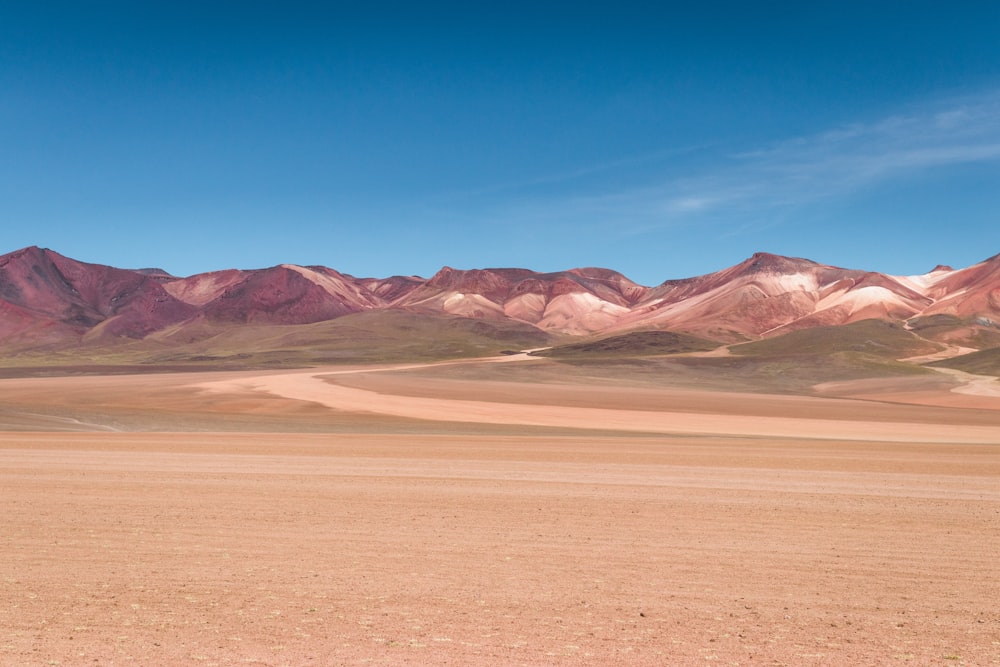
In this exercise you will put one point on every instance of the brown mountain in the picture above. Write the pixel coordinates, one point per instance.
(51, 302)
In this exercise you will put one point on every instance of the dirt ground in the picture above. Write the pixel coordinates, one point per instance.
(410, 518)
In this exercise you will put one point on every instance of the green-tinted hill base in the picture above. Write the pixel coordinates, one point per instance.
(984, 362)
(637, 343)
(874, 338)
(371, 337)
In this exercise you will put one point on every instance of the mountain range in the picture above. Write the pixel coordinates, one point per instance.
(52, 304)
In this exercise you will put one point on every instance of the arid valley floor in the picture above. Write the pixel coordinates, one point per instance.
(490, 513)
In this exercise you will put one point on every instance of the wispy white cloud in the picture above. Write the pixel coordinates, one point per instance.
(771, 182)
(843, 160)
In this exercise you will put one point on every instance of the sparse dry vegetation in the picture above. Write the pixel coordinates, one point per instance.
(983, 362)
(873, 338)
(633, 344)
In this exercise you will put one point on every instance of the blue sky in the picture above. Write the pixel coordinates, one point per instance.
(663, 140)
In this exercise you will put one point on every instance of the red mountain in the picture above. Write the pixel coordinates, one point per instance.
(283, 294)
(46, 297)
(48, 300)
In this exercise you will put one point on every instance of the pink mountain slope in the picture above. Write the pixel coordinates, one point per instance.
(768, 294)
(970, 292)
(579, 301)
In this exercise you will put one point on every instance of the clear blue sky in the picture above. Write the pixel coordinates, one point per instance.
(663, 139)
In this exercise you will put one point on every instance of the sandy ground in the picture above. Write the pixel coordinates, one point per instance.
(322, 388)
(435, 521)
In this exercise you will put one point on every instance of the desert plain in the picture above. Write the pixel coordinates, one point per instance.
(502, 511)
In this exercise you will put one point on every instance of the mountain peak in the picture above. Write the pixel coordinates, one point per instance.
(31, 252)
(765, 262)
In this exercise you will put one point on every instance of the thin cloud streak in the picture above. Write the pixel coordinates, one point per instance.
(806, 170)
(568, 176)
(771, 183)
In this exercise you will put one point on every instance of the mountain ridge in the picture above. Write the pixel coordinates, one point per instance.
(50, 301)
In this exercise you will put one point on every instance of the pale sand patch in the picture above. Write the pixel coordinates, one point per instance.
(952, 389)
(721, 351)
(949, 352)
(972, 384)
(319, 387)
